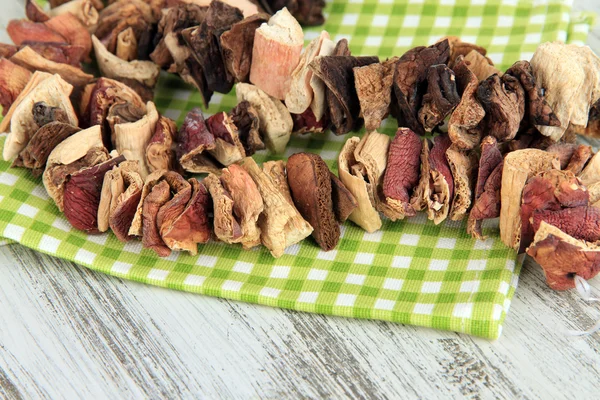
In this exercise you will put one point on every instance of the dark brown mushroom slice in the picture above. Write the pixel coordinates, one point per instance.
(537, 112)
(160, 153)
(205, 45)
(402, 171)
(503, 100)
(13, 79)
(41, 144)
(487, 204)
(578, 161)
(246, 120)
(309, 179)
(374, 90)
(310, 12)
(410, 73)
(272, 6)
(121, 15)
(458, 48)
(236, 46)
(343, 200)
(82, 195)
(441, 97)
(336, 72)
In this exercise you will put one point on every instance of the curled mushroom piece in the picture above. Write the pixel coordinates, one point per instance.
(281, 225)
(402, 172)
(421, 193)
(193, 139)
(519, 166)
(160, 153)
(410, 72)
(463, 166)
(124, 177)
(86, 11)
(580, 222)
(562, 257)
(458, 48)
(276, 53)
(13, 80)
(441, 97)
(132, 138)
(572, 96)
(275, 120)
(127, 45)
(62, 53)
(503, 100)
(374, 90)
(51, 89)
(317, 85)
(225, 226)
(441, 181)
(82, 193)
(344, 202)
(581, 156)
(463, 126)
(309, 179)
(276, 171)
(80, 150)
(34, 12)
(246, 120)
(228, 147)
(307, 123)
(591, 171)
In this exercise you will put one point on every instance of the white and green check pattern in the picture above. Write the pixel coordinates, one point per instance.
(410, 271)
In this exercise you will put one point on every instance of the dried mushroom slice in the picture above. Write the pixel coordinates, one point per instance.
(127, 47)
(374, 90)
(280, 223)
(463, 124)
(300, 94)
(157, 197)
(421, 193)
(55, 92)
(310, 12)
(237, 44)
(170, 211)
(247, 203)
(228, 147)
(309, 179)
(564, 151)
(160, 152)
(27, 58)
(581, 156)
(572, 96)
(490, 161)
(344, 202)
(276, 171)
(441, 97)
(82, 192)
(318, 104)
(74, 32)
(121, 15)
(131, 139)
(245, 118)
(35, 12)
(307, 123)
(21, 30)
(537, 111)
(80, 150)
(503, 100)
(337, 73)
(13, 80)
(562, 257)
(86, 11)
(441, 181)
(193, 139)
(276, 53)
(226, 227)
(458, 48)
(580, 222)
(111, 66)
(549, 190)
(402, 172)
(463, 166)
(481, 66)
(275, 120)
(365, 215)
(591, 172)
(519, 166)
(62, 53)
(410, 73)
(41, 144)
(44, 113)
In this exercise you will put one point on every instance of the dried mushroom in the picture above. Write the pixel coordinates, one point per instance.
(374, 90)
(62, 53)
(54, 91)
(463, 124)
(124, 206)
(276, 171)
(421, 193)
(337, 74)
(21, 30)
(570, 76)
(319, 89)
(132, 138)
(581, 156)
(580, 222)
(503, 100)
(237, 44)
(127, 45)
(113, 186)
(160, 152)
(276, 53)
(86, 11)
(27, 58)
(481, 66)
(228, 147)
(562, 257)
(486, 200)
(80, 150)
(310, 12)
(549, 190)
(300, 95)
(157, 197)
(193, 139)
(463, 166)
(441, 97)
(111, 66)
(275, 120)
(441, 181)
(247, 203)
(280, 223)
(410, 73)
(307, 123)
(459, 48)
(591, 172)
(365, 215)
(564, 151)
(519, 166)
(245, 118)
(74, 32)
(13, 80)
(309, 179)
(121, 15)
(35, 12)
(402, 172)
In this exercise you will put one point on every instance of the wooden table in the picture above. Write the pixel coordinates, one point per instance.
(69, 332)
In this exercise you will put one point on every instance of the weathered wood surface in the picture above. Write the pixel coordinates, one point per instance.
(68, 332)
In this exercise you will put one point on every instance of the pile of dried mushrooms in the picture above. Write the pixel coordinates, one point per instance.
(473, 143)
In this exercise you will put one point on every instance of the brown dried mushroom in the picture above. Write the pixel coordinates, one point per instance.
(228, 147)
(160, 152)
(193, 139)
(481, 66)
(503, 100)
(374, 90)
(441, 180)
(441, 97)
(13, 80)
(463, 166)
(245, 118)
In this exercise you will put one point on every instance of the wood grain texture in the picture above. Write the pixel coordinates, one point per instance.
(68, 332)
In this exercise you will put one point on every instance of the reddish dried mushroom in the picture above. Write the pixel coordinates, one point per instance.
(192, 140)
(440, 180)
(13, 80)
(580, 222)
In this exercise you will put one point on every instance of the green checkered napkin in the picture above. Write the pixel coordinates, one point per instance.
(410, 271)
